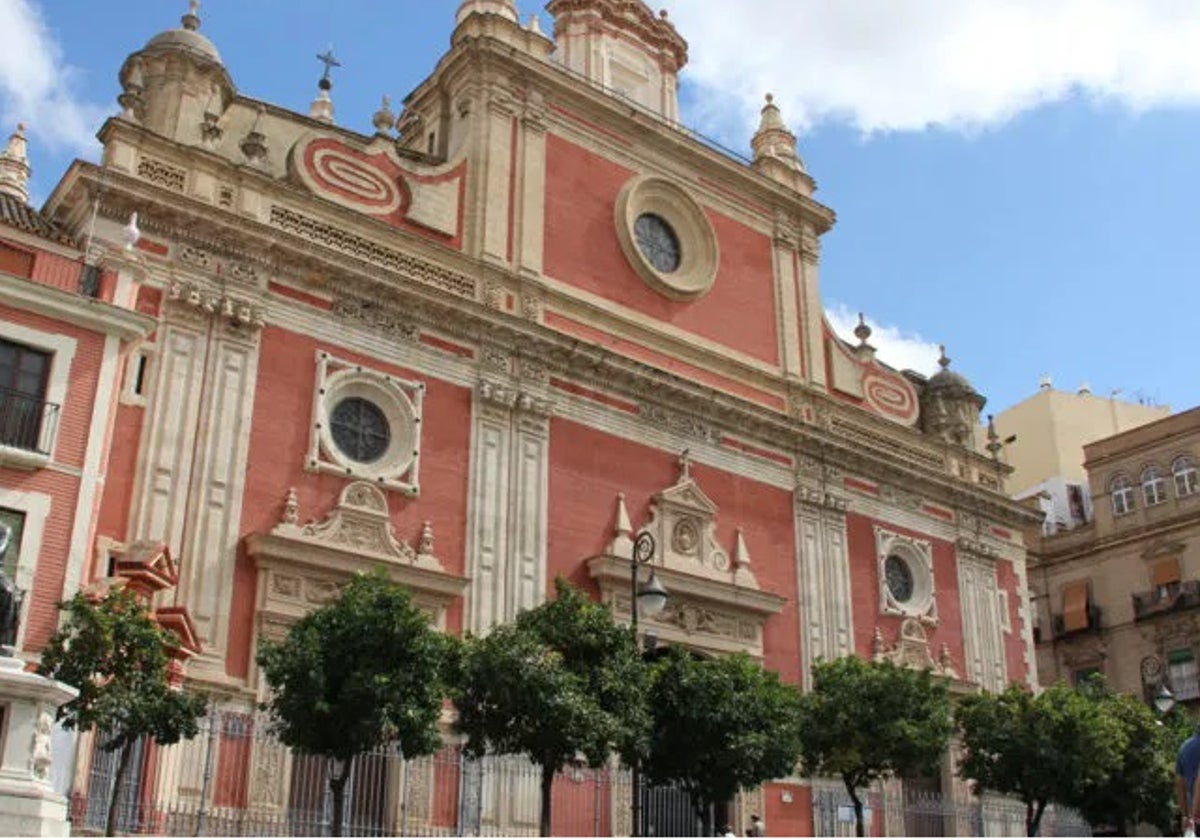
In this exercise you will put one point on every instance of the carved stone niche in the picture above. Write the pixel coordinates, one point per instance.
(714, 603)
(301, 567)
(911, 650)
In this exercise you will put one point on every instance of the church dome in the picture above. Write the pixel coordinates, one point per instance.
(948, 380)
(186, 38)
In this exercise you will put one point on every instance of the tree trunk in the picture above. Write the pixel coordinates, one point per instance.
(860, 829)
(110, 826)
(1033, 817)
(547, 792)
(337, 787)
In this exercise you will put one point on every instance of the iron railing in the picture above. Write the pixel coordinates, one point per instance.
(27, 421)
(922, 813)
(236, 779)
(1183, 596)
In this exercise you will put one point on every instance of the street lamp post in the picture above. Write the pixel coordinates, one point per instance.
(650, 597)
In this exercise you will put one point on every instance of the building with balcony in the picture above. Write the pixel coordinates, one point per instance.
(1120, 595)
(1045, 435)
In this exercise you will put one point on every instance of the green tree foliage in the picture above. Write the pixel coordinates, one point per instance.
(114, 652)
(1142, 787)
(1054, 747)
(561, 681)
(720, 725)
(363, 671)
(866, 720)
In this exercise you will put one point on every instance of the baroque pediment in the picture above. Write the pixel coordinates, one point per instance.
(911, 649)
(302, 566)
(714, 602)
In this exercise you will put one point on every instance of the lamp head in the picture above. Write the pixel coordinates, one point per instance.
(652, 596)
(1164, 700)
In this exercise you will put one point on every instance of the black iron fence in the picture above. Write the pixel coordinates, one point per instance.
(27, 421)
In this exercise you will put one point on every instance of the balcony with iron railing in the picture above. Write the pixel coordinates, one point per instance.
(27, 428)
(1092, 625)
(1173, 597)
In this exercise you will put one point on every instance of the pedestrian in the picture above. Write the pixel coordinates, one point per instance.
(1187, 767)
(757, 827)
(727, 831)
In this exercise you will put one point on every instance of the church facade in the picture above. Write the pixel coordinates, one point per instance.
(482, 346)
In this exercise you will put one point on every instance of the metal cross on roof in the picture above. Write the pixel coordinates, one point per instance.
(329, 61)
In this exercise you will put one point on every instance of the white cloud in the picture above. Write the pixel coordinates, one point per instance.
(36, 84)
(885, 65)
(901, 350)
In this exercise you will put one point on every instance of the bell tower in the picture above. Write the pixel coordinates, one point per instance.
(623, 46)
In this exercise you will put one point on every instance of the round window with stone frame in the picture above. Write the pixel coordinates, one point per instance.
(368, 424)
(906, 578)
(667, 238)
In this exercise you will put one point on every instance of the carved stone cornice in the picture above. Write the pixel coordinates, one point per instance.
(686, 425)
(813, 497)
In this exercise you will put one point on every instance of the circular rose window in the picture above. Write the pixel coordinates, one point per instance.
(360, 429)
(657, 241)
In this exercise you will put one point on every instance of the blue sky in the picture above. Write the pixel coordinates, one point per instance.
(1016, 180)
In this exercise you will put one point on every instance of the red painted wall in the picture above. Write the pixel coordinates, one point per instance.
(588, 468)
(786, 819)
(864, 583)
(287, 371)
(70, 446)
(582, 249)
(1014, 642)
(121, 475)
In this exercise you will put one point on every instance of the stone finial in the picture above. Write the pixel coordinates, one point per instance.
(506, 9)
(14, 166)
(425, 546)
(622, 541)
(877, 642)
(535, 25)
(994, 444)
(291, 509)
(384, 119)
(943, 360)
(191, 21)
(685, 465)
(773, 140)
(254, 144)
(863, 331)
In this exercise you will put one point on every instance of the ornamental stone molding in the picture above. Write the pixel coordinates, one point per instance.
(715, 603)
(911, 650)
(395, 406)
(197, 304)
(302, 566)
(912, 560)
(686, 425)
(699, 253)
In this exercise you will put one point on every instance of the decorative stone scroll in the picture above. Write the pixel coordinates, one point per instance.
(372, 181)
(714, 602)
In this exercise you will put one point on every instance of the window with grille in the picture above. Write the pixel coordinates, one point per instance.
(14, 522)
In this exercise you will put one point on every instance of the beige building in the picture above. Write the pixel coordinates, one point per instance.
(1119, 595)
(1047, 433)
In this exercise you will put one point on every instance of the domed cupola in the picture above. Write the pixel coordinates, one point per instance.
(177, 82)
(950, 406)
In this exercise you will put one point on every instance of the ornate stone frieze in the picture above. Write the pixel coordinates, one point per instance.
(687, 425)
(531, 307)
(899, 497)
(911, 650)
(376, 317)
(814, 497)
(493, 295)
(162, 174)
(510, 398)
(495, 359)
(977, 547)
(339, 239)
(203, 303)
